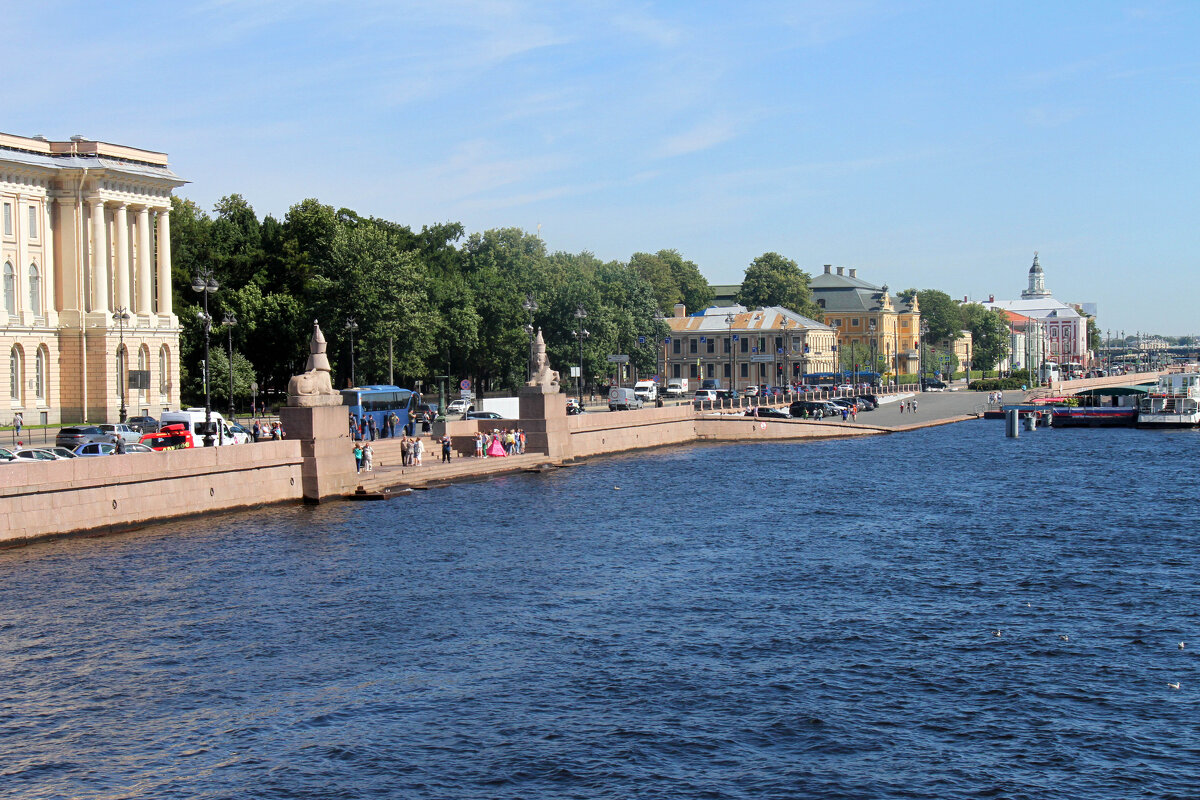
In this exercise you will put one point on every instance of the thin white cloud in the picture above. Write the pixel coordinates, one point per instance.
(703, 136)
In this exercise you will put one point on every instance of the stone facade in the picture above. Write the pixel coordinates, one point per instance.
(867, 315)
(85, 260)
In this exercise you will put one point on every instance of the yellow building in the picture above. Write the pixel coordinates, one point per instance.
(741, 348)
(85, 250)
(869, 321)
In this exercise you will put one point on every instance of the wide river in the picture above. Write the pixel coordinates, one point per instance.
(742, 621)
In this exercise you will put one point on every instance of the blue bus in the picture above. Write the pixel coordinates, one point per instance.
(845, 376)
(378, 402)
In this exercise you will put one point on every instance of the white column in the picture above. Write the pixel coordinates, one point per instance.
(164, 261)
(145, 278)
(99, 264)
(50, 304)
(121, 265)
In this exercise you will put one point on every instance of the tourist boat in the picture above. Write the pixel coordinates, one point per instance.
(1094, 417)
(1173, 402)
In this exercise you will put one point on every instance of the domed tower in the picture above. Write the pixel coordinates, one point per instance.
(1037, 281)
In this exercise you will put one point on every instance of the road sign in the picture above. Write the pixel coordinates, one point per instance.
(621, 359)
(641, 340)
(574, 372)
(464, 384)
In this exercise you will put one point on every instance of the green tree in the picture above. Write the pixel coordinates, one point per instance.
(941, 314)
(772, 280)
(1093, 334)
(989, 334)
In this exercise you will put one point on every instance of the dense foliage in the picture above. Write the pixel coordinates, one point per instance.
(426, 303)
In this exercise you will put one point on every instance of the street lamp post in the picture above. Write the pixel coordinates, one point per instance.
(662, 376)
(530, 305)
(922, 332)
(230, 322)
(351, 327)
(121, 316)
(205, 284)
(580, 334)
(874, 347)
(732, 376)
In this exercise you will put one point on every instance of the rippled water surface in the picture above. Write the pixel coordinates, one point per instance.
(756, 621)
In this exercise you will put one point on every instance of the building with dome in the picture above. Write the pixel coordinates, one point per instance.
(1061, 327)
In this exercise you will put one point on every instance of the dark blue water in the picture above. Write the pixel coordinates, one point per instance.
(757, 621)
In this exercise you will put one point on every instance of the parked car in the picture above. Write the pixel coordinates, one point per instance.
(65, 452)
(7, 456)
(124, 431)
(81, 434)
(95, 449)
(143, 424)
(705, 396)
(37, 454)
(459, 406)
(240, 434)
(766, 412)
(932, 385)
(482, 415)
(751, 391)
(872, 399)
(138, 448)
(169, 437)
(799, 407)
(573, 406)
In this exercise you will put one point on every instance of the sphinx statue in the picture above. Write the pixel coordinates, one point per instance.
(541, 376)
(314, 388)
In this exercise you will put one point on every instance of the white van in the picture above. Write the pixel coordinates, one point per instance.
(647, 391)
(193, 418)
(623, 399)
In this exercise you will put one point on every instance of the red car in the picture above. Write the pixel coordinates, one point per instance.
(169, 437)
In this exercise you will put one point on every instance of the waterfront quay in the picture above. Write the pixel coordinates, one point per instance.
(315, 464)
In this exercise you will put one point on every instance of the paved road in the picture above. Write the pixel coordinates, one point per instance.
(930, 406)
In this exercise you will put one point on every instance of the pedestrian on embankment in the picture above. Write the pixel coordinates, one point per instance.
(446, 449)
(368, 458)
(358, 457)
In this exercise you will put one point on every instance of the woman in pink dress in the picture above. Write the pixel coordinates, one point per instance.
(496, 448)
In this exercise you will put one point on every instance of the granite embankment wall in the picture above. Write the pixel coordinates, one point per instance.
(102, 495)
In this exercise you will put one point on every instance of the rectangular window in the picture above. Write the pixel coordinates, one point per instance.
(692, 346)
(691, 370)
(33, 226)
(675, 371)
(778, 343)
(712, 345)
(727, 369)
(712, 370)
(745, 340)
(8, 219)
(762, 344)
(854, 323)
(745, 370)
(728, 346)
(676, 347)
(762, 370)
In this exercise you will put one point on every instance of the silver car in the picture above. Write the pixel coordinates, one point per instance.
(127, 433)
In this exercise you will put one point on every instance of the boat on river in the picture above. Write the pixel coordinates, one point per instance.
(1094, 416)
(1174, 402)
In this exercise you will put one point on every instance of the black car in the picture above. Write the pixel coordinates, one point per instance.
(482, 415)
(932, 385)
(143, 424)
(871, 400)
(764, 412)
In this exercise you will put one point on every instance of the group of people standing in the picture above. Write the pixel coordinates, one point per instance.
(912, 406)
(263, 430)
(499, 443)
(366, 429)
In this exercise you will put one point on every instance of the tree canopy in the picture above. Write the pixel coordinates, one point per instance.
(773, 280)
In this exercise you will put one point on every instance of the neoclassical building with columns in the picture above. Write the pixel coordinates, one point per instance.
(85, 254)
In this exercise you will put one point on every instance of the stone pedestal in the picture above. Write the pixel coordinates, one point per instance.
(544, 419)
(327, 470)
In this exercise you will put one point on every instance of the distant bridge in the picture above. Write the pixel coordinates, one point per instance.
(1063, 388)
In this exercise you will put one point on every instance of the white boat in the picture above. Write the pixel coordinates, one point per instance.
(1174, 402)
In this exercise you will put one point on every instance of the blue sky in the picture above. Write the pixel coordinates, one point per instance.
(929, 144)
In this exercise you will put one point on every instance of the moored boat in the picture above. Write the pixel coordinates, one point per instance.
(1174, 402)
(1094, 417)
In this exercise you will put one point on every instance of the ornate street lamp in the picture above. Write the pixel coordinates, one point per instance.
(351, 327)
(922, 332)
(732, 375)
(874, 350)
(530, 305)
(230, 322)
(121, 316)
(580, 334)
(205, 284)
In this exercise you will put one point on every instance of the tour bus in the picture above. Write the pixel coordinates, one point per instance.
(379, 402)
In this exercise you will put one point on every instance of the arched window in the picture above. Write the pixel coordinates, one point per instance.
(35, 290)
(143, 365)
(10, 288)
(40, 365)
(164, 374)
(15, 374)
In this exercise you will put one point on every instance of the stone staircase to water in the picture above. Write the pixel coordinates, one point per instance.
(389, 474)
